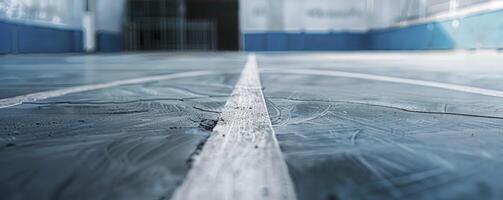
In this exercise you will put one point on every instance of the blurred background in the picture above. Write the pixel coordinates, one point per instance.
(59, 26)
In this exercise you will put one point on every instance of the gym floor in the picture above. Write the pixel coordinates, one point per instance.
(349, 125)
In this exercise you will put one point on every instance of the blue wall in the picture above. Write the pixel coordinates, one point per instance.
(23, 38)
(481, 31)
(277, 41)
(109, 41)
(418, 37)
(26, 38)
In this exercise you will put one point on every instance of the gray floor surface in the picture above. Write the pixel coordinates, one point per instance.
(342, 138)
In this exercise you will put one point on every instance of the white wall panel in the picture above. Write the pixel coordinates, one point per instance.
(55, 12)
(302, 15)
(325, 15)
(340, 15)
(254, 15)
(110, 15)
(63, 13)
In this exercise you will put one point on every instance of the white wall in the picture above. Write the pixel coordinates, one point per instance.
(303, 15)
(62, 13)
(340, 15)
(110, 15)
(42, 12)
(386, 13)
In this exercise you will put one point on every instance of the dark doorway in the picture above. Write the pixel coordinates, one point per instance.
(226, 16)
(202, 25)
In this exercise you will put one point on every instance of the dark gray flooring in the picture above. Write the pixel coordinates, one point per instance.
(347, 138)
(343, 138)
(127, 142)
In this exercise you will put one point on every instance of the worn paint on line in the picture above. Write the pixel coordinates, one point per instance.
(447, 86)
(13, 101)
(242, 159)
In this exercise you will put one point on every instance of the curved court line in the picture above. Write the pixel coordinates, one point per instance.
(447, 86)
(9, 102)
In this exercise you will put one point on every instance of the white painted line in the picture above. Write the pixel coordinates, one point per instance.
(241, 160)
(8, 102)
(447, 86)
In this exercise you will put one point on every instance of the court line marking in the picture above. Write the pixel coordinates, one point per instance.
(447, 86)
(241, 159)
(13, 101)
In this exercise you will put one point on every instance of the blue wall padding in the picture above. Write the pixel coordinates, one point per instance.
(109, 42)
(31, 39)
(24, 38)
(305, 41)
(481, 31)
(419, 37)
(6, 37)
(336, 41)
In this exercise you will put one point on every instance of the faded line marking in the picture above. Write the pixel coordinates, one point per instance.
(447, 86)
(9, 102)
(241, 159)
